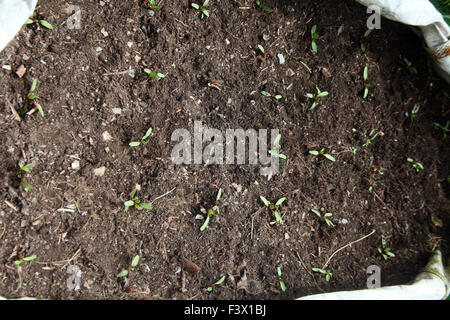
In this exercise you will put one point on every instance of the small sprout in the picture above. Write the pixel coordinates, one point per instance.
(368, 32)
(353, 150)
(314, 37)
(134, 264)
(366, 84)
(369, 138)
(282, 285)
(33, 98)
(135, 202)
(20, 173)
(262, 6)
(445, 129)
(437, 222)
(366, 35)
(269, 95)
(274, 151)
(153, 6)
(153, 74)
(322, 153)
(39, 22)
(385, 252)
(202, 8)
(143, 139)
(409, 66)
(327, 273)
(363, 47)
(325, 217)
(218, 282)
(316, 96)
(414, 112)
(22, 260)
(416, 165)
(212, 211)
(274, 207)
(261, 48)
(372, 184)
(217, 84)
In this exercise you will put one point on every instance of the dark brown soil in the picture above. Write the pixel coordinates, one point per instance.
(80, 85)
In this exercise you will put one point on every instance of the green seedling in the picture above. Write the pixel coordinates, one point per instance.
(366, 84)
(385, 252)
(372, 184)
(153, 6)
(33, 98)
(370, 137)
(314, 37)
(39, 23)
(135, 202)
(269, 95)
(218, 282)
(282, 285)
(316, 97)
(353, 150)
(445, 129)
(274, 208)
(23, 259)
(22, 170)
(134, 264)
(275, 148)
(363, 47)
(153, 74)
(378, 168)
(416, 165)
(409, 66)
(202, 8)
(261, 49)
(327, 273)
(262, 6)
(414, 112)
(143, 139)
(216, 84)
(322, 153)
(211, 211)
(366, 35)
(324, 218)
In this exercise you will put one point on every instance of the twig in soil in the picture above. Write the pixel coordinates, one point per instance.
(161, 196)
(253, 217)
(13, 111)
(115, 73)
(9, 204)
(302, 264)
(347, 245)
(63, 263)
(306, 66)
(4, 229)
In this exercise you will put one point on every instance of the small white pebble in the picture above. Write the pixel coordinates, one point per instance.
(106, 136)
(99, 172)
(281, 58)
(76, 165)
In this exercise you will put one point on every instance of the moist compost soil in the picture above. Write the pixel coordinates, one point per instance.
(86, 89)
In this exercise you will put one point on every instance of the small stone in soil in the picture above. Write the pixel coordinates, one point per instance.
(99, 172)
(76, 165)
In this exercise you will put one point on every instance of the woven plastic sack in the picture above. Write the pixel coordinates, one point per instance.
(423, 15)
(13, 14)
